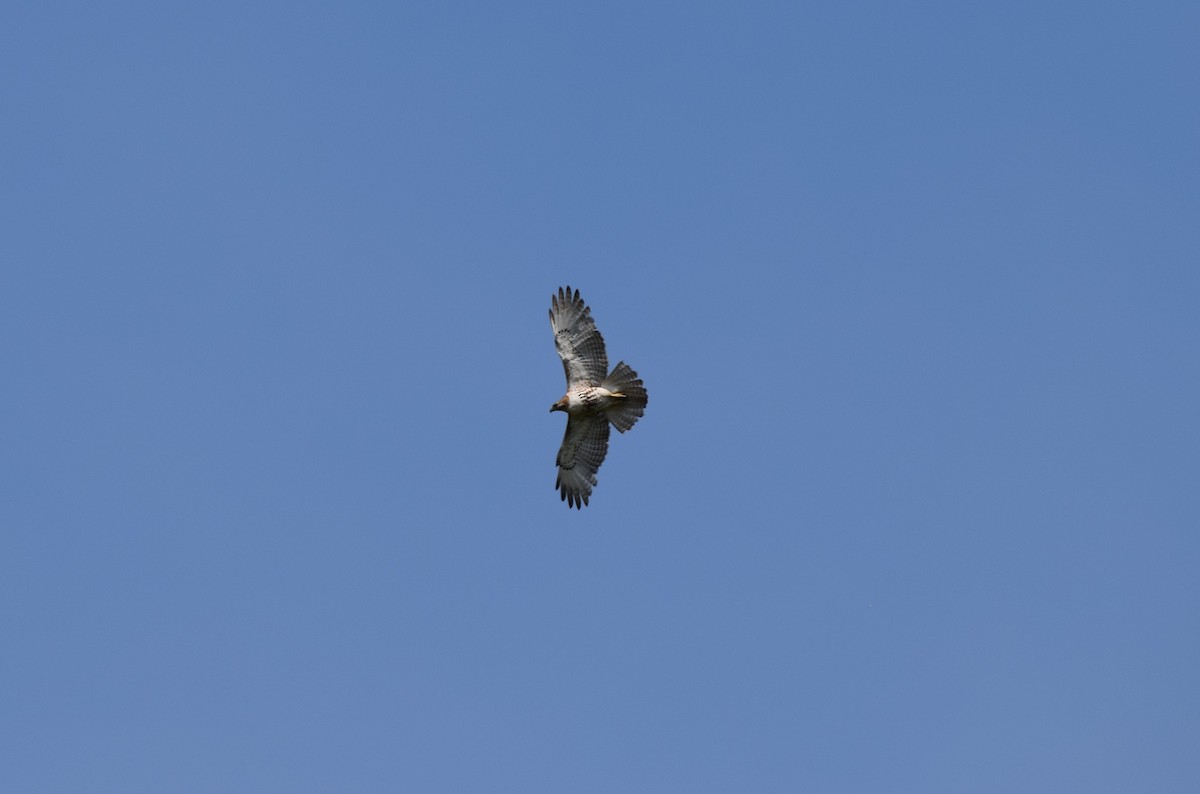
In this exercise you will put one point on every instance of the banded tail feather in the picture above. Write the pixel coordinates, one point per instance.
(632, 404)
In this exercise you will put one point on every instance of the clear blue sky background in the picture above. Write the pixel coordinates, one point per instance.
(915, 291)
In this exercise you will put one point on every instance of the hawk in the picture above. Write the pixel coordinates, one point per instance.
(594, 396)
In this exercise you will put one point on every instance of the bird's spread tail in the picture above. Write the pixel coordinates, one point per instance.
(628, 408)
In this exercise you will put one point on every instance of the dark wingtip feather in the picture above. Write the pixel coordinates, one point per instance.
(567, 297)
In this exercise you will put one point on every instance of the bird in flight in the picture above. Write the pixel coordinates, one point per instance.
(594, 396)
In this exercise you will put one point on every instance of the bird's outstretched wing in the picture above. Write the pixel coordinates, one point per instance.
(583, 449)
(580, 345)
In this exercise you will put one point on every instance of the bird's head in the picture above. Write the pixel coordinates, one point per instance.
(561, 405)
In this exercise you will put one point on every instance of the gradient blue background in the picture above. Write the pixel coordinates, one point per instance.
(915, 291)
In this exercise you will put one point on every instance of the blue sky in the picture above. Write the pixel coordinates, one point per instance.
(914, 291)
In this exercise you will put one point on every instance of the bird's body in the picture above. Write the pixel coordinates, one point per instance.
(585, 399)
(594, 399)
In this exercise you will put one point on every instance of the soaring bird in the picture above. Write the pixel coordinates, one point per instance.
(594, 396)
